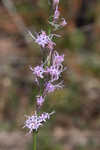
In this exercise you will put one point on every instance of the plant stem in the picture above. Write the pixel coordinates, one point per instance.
(34, 140)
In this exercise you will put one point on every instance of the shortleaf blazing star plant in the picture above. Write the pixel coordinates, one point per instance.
(47, 74)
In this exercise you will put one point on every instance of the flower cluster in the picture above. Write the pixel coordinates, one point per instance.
(45, 41)
(38, 71)
(34, 122)
(47, 74)
(57, 22)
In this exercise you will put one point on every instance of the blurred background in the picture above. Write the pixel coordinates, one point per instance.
(76, 124)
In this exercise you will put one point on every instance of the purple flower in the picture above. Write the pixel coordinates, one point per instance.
(38, 71)
(55, 72)
(56, 68)
(50, 87)
(44, 40)
(50, 45)
(34, 122)
(56, 14)
(40, 100)
(57, 59)
(44, 116)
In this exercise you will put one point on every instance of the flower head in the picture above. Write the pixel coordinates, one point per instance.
(55, 72)
(38, 71)
(44, 40)
(51, 87)
(34, 122)
(57, 59)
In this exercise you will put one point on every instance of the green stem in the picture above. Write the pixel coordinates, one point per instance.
(34, 140)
